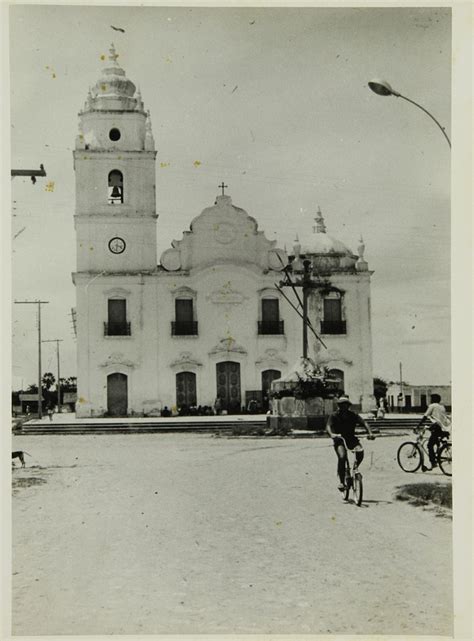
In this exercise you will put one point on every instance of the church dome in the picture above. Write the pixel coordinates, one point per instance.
(113, 90)
(327, 254)
(319, 242)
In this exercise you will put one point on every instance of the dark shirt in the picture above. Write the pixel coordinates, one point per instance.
(344, 423)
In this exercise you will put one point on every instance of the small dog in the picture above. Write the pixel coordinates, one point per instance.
(19, 455)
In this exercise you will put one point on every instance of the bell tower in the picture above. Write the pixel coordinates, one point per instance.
(114, 163)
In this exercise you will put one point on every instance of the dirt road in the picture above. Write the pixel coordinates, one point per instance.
(182, 533)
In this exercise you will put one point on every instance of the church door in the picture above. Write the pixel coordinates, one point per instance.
(185, 389)
(117, 394)
(268, 376)
(228, 385)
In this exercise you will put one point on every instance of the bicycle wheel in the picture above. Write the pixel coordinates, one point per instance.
(445, 459)
(409, 457)
(358, 488)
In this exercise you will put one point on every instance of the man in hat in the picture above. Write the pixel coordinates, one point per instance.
(343, 423)
(439, 428)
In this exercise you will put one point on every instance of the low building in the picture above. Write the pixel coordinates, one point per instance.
(29, 403)
(416, 398)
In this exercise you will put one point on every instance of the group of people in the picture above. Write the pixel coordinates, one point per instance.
(191, 410)
(341, 427)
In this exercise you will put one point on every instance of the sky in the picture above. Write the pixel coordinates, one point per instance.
(275, 103)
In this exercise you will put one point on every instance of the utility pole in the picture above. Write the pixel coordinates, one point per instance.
(401, 381)
(29, 172)
(39, 303)
(306, 284)
(58, 385)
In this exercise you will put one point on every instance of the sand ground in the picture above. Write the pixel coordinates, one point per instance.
(193, 534)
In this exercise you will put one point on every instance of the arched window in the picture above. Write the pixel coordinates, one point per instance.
(270, 322)
(117, 324)
(333, 322)
(268, 376)
(184, 323)
(115, 187)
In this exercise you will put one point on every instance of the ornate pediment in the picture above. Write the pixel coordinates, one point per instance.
(117, 358)
(186, 359)
(228, 345)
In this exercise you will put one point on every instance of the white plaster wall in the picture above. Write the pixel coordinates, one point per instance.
(93, 236)
(217, 321)
(99, 355)
(97, 125)
(151, 357)
(351, 352)
(92, 170)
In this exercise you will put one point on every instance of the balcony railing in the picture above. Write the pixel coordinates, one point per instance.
(184, 328)
(271, 327)
(117, 329)
(333, 327)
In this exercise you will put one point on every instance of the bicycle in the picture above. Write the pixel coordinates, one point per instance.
(352, 477)
(411, 454)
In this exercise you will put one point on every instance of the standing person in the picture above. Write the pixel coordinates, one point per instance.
(217, 406)
(381, 409)
(343, 423)
(400, 403)
(440, 424)
(50, 412)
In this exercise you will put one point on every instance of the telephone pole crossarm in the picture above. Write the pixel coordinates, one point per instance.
(33, 173)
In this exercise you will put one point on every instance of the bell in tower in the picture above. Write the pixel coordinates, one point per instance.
(115, 187)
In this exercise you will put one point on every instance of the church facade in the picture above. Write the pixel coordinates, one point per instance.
(209, 321)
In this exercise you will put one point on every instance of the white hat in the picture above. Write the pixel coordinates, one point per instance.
(344, 399)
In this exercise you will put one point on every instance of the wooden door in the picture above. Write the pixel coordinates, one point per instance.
(117, 394)
(185, 389)
(268, 376)
(228, 385)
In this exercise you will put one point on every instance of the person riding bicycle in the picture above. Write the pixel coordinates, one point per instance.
(439, 428)
(343, 423)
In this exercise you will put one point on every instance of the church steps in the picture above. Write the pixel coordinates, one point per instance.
(235, 426)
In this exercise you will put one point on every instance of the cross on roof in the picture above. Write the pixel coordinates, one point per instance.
(222, 186)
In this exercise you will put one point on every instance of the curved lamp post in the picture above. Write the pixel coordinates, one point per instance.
(382, 88)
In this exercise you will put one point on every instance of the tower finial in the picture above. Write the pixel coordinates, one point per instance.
(320, 227)
(139, 100)
(113, 54)
(148, 122)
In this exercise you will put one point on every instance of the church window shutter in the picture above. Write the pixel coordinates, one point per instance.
(332, 309)
(117, 318)
(184, 310)
(332, 322)
(184, 323)
(270, 310)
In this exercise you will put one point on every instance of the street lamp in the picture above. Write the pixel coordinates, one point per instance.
(382, 88)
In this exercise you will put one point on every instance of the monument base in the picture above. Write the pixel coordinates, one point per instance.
(285, 424)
